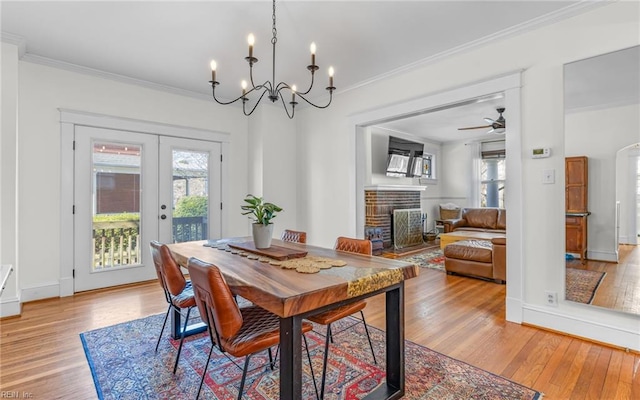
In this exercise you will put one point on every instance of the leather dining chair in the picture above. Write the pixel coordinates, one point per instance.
(361, 246)
(177, 289)
(294, 236)
(238, 331)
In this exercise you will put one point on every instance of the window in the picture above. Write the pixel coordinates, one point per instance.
(492, 178)
(428, 164)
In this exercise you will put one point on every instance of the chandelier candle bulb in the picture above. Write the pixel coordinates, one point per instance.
(213, 71)
(293, 94)
(313, 53)
(243, 84)
(251, 40)
(331, 77)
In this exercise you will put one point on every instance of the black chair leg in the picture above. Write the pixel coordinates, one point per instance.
(324, 362)
(182, 334)
(244, 376)
(313, 375)
(163, 325)
(204, 373)
(373, 353)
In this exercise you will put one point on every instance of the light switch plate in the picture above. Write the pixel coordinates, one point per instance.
(549, 176)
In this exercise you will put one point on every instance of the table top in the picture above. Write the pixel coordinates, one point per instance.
(286, 292)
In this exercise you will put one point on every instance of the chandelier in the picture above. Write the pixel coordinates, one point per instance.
(269, 88)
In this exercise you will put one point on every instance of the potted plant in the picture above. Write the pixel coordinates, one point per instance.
(261, 213)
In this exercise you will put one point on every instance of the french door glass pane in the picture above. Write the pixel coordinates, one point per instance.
(190, 195)
(116, 205)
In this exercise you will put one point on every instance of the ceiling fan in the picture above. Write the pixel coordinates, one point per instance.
(497, 125)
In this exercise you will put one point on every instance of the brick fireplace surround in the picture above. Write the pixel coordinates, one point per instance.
(379, 206)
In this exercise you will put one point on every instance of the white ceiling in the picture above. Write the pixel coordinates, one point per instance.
(170, 44)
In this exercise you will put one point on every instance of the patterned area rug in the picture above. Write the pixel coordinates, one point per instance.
(432, 259)
(124, 366)
(581, 284)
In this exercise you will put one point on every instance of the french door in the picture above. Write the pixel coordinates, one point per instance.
(131, 188)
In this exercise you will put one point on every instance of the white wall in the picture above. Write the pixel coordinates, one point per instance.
(608, 130)
(540, 54)
(273, 162)
(42, 90)
(9, 302)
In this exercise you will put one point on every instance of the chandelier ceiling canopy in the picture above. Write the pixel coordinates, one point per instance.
(269, 88)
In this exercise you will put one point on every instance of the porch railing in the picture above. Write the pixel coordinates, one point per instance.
(186, 229)
(115, 244)
(118, 243)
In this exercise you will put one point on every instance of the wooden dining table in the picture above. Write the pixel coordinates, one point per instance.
(293, 296)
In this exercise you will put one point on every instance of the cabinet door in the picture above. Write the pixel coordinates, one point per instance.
(574, 235)
(576, 179)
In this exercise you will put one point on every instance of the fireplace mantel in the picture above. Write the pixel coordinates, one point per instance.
(404, 188)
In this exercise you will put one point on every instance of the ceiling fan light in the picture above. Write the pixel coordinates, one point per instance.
(498, 130)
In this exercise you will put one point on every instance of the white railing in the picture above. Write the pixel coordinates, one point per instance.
(115, 244)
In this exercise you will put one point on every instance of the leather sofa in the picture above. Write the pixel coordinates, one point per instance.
(479, 220)
(478, 258)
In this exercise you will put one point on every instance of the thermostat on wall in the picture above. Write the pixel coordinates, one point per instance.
(541, 153)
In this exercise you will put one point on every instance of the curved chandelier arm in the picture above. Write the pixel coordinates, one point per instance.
(265, 86)
(317, 106)
(244, 102)
(293, 106)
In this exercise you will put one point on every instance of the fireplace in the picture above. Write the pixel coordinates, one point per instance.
(407, 228)
(380, 205)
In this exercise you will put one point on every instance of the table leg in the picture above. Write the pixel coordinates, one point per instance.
(395, 339)
(291, 358)
(394, 388)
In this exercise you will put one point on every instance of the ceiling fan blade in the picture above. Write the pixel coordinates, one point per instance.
(489, 120)
(492, 130)
(475, 127)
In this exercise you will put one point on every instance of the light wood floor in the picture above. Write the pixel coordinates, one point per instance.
(620, 288)
(41, 353)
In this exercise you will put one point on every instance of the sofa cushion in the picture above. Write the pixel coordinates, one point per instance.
(473, 250)
(502, 219)
(481, 217)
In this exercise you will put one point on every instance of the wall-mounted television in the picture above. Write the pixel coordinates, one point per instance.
(404, 158)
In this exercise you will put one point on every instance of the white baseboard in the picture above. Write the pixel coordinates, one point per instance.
(10, 307)
(602, 256)
(40, 292)
(514, 310)
(580, 327)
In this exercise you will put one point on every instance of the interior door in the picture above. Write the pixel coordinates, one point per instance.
(115, 207)
(189, 190)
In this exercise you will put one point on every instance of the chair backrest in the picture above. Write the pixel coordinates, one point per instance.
(218, 308)
(169, 274)
(294, 236)
(362, 246)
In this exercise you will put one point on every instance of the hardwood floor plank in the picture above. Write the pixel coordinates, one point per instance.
(41, 353)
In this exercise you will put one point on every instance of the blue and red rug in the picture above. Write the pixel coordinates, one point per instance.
(125, 366)
(433, 259)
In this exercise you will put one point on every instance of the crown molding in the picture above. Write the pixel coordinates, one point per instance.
(50, 62)
(16, 41)
(563, 13)
(536, 23)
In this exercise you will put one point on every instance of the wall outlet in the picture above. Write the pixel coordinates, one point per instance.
(552, 298)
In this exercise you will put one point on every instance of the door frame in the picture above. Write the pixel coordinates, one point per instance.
(69, 119)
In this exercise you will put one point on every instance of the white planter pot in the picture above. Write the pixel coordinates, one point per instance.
(262, 235)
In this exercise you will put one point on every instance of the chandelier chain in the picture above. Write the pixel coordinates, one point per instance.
(273, 29)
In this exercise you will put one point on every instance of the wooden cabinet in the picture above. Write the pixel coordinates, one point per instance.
(576, 181)
(576, 234)
(576, 204)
